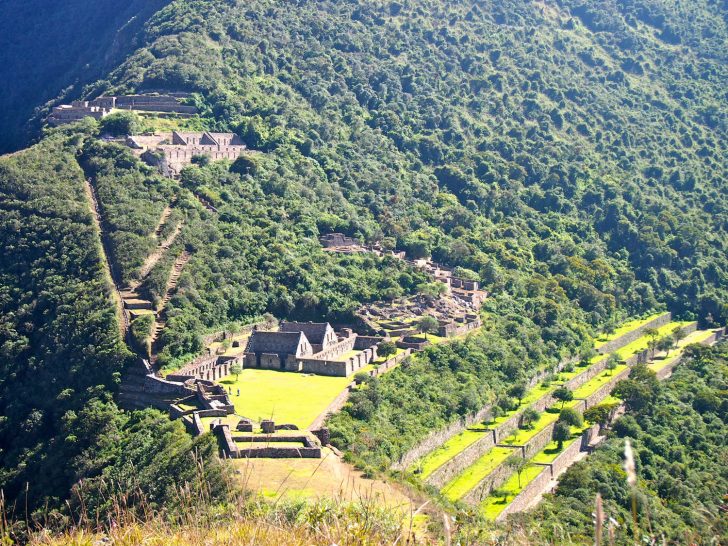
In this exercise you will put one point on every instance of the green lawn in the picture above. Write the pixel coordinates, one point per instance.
(624, 329)
(285, 397)
(476, 472)
(435, 459)
(493, 506)
(591, 386)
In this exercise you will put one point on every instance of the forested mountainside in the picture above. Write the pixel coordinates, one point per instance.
(49, 48)
(571, 154)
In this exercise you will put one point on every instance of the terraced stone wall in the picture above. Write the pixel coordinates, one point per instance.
(629, 337)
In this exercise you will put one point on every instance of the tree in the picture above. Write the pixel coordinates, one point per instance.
(612, 362)
(678, 334)
(236, 369)
(563, 395)
(562, 432)
(518, 391)
(120, 124)
(386, 349)
(636, 395)
(518, 465)
(428, 325)
(665, 344)
(585, 356)
(571, 417)
(652, 334)
(600, 414)
(529, 416)
(432, 290)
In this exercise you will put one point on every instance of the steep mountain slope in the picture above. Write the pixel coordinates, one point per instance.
(572, 155)
(48, 47)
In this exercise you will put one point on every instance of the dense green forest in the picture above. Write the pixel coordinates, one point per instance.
(61, 358)
(571, 153)
(678, 436)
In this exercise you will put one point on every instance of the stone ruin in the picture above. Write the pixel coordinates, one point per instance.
(179, 148)
(103, 106)
(310, 348)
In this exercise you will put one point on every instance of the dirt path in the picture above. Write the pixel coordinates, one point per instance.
(160, 319)
(93, 203)
(155, 256)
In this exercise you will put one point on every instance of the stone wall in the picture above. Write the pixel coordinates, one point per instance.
(629, 337)
(456, 465)
(438, 437)
(523, 499)
(602, 392)
(326, 367)
(492, 481)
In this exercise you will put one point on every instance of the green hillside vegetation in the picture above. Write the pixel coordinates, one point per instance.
(61, 358)
(679, 441)
(571, 154)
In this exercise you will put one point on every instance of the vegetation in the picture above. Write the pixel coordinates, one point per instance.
(677, 439)
(569, 156)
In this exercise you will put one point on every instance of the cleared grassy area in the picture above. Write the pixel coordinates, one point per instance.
(476, 472)
(640, 344)
(624, 329)
(522, 436)
(285, 397)
(695, 337)
(493, 506)
(591, 386)
(456, 444)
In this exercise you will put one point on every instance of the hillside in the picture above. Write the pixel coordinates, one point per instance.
(49, 49)
(570, 155)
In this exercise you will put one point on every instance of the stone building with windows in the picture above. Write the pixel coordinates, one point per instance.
(310, 347)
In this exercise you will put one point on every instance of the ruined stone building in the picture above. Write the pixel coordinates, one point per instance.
(77, 110)
(312, 348)
(103, 106)
(178, 148)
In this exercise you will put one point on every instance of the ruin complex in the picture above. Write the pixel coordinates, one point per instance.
(311, 348)
(103, 106)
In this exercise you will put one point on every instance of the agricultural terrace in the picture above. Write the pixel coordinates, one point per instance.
(482, 467)
(695, 337)
(284, 397)
(435, 459)
(625, 328)
(495, 504)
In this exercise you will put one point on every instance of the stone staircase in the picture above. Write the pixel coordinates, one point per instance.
(161, 320)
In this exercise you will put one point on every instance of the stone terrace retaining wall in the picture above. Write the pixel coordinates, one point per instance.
(602, 392)
(438, 437)
(521, 501)
(462, 460)
(629, 337)
(493, 480)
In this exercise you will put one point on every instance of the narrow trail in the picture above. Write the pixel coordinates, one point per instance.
(157, 255)
(161, 319)
(93, 203)
(166, 213)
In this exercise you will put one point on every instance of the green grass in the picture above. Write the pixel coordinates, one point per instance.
(591, 386)
(640, 344)
(624, 329)
(285, 397)
(435, 459)
(476, 472)
(521, 436)
(695, 337)
(493, 506)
